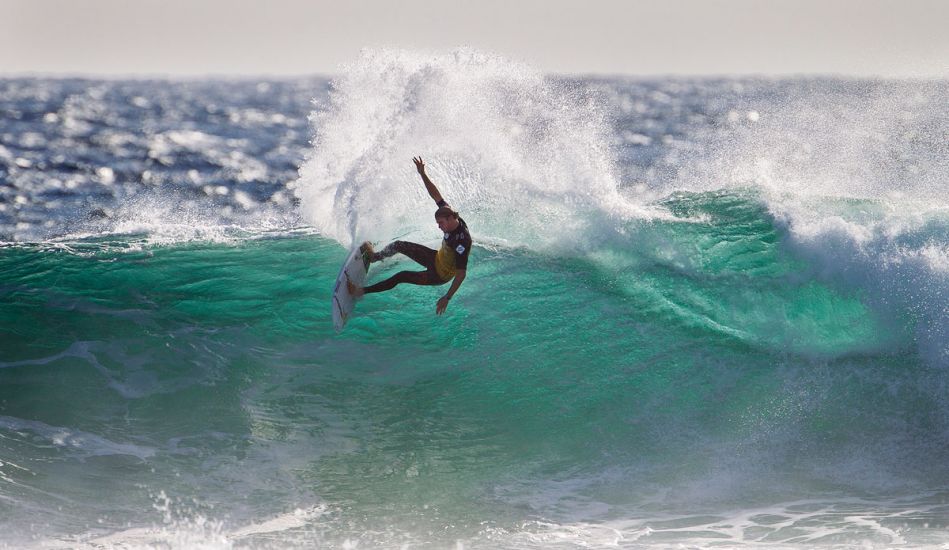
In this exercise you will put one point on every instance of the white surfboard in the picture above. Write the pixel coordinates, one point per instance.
(354, 269)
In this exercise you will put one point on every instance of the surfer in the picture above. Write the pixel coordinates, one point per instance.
(449, 263)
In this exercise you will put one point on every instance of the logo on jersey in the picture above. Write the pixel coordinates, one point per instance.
(460, 249)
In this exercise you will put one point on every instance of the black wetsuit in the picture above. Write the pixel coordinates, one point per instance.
(440, 265)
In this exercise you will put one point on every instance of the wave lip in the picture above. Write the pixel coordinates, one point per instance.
(895, 255)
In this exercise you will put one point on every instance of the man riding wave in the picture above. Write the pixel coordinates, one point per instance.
(448, 263)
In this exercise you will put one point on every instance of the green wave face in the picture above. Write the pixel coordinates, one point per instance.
(680, 367)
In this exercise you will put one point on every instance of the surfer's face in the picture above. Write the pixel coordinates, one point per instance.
(447, 224)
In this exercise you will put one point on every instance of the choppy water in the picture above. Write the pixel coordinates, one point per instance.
(709, 312)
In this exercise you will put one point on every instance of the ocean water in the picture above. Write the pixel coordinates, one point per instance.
(699, 313)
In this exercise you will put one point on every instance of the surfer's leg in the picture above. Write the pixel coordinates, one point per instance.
(410, 277)
(419, 254)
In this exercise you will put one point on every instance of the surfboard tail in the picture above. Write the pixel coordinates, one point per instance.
(353, 272)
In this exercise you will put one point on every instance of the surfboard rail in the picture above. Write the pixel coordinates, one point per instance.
(354, 270)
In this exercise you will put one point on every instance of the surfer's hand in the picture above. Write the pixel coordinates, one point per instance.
(419, 165)
(441, 306)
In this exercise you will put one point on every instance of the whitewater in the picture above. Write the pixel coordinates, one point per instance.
(700, 312)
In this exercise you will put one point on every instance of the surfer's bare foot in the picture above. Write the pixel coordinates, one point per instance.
(355, 291)
(366, 247)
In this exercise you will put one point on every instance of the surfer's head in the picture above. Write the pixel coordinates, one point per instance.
(446, 212)
(446, 218)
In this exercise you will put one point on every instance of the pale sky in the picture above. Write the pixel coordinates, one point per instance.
(893, 38)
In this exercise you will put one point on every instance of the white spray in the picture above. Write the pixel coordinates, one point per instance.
(856, 171)
(524, 158)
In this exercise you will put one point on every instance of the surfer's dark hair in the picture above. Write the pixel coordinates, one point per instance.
(446, 212)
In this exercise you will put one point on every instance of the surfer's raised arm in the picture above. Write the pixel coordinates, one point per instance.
(448, 263)
(432, 190)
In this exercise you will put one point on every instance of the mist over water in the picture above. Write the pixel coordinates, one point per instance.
(699, 312)
(857, 174)
(527, 159)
